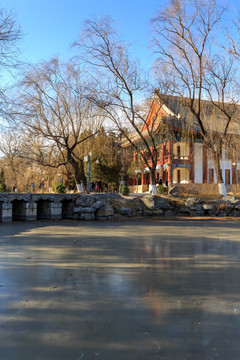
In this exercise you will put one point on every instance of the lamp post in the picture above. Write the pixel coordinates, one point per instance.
(87, 159)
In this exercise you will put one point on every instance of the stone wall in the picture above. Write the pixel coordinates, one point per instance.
(32, 207)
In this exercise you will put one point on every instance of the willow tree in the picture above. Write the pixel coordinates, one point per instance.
(55, 116)
(197, 68)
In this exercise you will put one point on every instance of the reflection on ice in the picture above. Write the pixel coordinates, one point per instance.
(120, 291)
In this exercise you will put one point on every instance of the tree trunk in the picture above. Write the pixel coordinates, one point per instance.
(220, 182)
(78, 174)
(154, 187)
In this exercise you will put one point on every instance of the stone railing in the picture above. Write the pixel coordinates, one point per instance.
(32, 207)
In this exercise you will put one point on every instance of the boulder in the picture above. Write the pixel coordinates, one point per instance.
(97, 205)
(135, 205)
(182, 210)
(148, 213)
(85, 201)
(138, 209)
(175, 189)
(194, 205)
(154, 202)
(148, 201)
(209, 209)
(106, 210)
(169, 213)
(89, 216)
(126, 211)
(193, 201)
(231, 199)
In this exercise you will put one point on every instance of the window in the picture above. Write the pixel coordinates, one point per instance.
(179, 176)
(178, 151)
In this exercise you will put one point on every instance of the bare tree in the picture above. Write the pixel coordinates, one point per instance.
(56, 116)
(119, 88)
(186, 43)
(10, 34)
(14, 167)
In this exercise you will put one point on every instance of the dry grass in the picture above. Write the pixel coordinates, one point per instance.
(206, 192)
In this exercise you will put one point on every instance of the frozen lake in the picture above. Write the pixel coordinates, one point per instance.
(139, 290)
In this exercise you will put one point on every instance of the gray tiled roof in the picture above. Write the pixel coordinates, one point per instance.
(213, 119)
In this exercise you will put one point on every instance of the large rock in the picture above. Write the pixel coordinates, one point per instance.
(135, 205)
(194, 206)
(89, 216)
(193, 201)
(209, 209)
(154, 202)
(175, 190)
(97, 205)
(197, 207)
(231, 199)
(126, 211)
(105, 211)
(85, 201)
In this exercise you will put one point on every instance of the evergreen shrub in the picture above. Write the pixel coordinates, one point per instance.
(162, 189)
(124, 190)
(60, 188)
(3, 188)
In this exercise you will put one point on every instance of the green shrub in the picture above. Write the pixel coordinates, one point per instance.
(3, 188)
(162, 189)
(124, 190)
(60, 188)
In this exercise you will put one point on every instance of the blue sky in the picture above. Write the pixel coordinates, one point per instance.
(50, 26)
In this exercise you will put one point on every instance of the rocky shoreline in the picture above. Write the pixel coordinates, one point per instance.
(150, 205)
(108, 206)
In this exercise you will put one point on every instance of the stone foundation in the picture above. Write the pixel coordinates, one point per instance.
(31, 207)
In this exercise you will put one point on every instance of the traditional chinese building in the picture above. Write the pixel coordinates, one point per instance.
(182, 157)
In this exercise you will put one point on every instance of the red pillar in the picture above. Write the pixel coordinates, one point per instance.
(163, 154)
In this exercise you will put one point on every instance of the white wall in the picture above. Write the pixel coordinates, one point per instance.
(198, 163)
